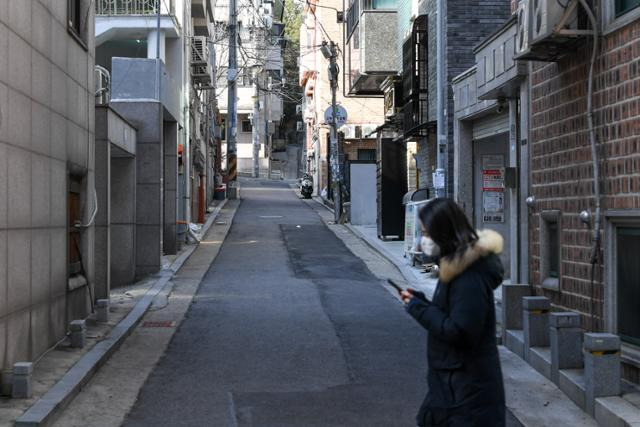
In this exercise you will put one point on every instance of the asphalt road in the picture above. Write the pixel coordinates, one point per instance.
(288, 328)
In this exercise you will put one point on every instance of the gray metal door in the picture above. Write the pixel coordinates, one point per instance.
(363, 193)
(491, 200)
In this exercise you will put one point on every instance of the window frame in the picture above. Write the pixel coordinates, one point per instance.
(242, 128)
(546, 218)
(74, 26)
(615, 218)
(611, 22)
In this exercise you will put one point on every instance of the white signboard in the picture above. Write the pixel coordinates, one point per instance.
(493, 188)
(341, 115)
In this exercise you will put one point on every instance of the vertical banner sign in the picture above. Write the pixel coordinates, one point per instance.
(493, 188)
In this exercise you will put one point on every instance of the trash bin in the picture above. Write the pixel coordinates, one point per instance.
(413, 202)
(220, 192)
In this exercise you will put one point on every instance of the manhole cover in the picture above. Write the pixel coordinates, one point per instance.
(160, 324)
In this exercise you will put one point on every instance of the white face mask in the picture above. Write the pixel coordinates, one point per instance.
(429, 247)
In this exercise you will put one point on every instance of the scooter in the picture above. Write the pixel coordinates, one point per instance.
(306, 186)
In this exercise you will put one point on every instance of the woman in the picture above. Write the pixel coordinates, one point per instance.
(464, 376)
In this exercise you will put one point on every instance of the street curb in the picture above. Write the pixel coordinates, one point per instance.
(406, 271)
(183, 257)
(58, 397)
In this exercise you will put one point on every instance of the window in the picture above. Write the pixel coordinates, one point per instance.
(618, 13)
(625, 6)
(74, 20)
(550, 257)
(367, 154)
(628, 284)
(246, 126)
(74, 15)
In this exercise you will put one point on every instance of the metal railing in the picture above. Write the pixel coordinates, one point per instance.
(132, 7)
(103, 85)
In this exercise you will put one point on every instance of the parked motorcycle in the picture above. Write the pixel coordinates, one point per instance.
(306, 186)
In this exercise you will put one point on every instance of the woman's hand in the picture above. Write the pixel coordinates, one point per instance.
(406, 295)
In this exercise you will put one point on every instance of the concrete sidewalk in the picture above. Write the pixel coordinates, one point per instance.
(61, 373)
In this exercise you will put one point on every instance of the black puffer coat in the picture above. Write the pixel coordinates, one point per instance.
(464, 375)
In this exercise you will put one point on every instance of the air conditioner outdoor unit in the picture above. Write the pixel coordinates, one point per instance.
(299, 127)
(548, 29)
(349, 131)
(199, 50)
(368, 130)
(548, 17)
(523, 28)
(201, 73)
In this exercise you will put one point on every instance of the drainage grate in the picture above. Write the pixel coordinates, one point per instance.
(161, 324)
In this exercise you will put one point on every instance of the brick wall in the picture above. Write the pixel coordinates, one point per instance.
(468, 23)
(350, 147)
(561, 171)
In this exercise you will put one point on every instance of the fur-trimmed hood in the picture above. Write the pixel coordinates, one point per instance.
(489, 242)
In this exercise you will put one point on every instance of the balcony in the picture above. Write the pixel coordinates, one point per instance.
(415, 81)
(371, 24)
(202, 15)
(136, 79)
(498, 74)
(133, 19)
(133, 7)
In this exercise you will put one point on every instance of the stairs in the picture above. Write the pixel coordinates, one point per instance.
(584, 366)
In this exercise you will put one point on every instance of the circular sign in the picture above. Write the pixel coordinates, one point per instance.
(341, 115)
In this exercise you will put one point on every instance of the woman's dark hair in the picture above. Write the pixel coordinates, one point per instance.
(448, 226)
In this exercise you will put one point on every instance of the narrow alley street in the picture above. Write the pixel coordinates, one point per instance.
(288, 328)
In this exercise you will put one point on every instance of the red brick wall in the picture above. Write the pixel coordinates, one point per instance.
(350, 147)
(561, 169)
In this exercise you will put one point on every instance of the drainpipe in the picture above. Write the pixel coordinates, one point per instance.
(440, 175)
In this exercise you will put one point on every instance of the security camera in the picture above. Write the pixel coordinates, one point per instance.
(499, 108)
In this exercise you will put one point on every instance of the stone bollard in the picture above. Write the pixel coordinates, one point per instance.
(565, 338)
(535, 323)
(512, 307)
(102, 310)
(601, 367)
(21, 385)
(77, 336)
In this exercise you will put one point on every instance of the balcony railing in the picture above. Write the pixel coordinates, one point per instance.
(133, 7)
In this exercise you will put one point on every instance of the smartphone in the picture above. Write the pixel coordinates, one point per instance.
(395, 285)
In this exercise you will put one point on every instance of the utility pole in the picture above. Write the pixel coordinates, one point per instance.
(440, 176)
(232, 127)
(255, 125)
(267, 136)
(336, 157)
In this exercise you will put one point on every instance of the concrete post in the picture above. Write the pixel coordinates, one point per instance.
(601, 367)
(103, 192)
(535, 322)
(152, 40)
(512, 306)
(22, 387)
(77, 336)
(102, 310)
(565, 338)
